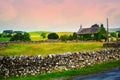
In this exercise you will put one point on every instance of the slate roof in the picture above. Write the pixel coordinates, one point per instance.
(8, 31)
(18, 31)
(91, 30)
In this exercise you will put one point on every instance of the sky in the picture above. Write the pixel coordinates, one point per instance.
(57, 15)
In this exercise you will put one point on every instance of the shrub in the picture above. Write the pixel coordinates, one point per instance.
(74, 35)
(21, 37)
(113, 34)
(53, 36)
(63, 37)
(43, 35)
(0, 35)
(70, 37)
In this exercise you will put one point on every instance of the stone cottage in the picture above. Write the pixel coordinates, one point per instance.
(88, 33)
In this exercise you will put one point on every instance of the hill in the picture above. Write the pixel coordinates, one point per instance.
(114, 29)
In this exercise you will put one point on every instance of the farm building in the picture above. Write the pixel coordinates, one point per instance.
(8, 32)
(92, 33)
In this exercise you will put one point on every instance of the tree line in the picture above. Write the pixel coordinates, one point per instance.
(24, 36)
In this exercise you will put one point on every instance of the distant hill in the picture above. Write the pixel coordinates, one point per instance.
(114, 29)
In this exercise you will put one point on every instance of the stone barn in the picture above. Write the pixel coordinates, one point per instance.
(87, 33)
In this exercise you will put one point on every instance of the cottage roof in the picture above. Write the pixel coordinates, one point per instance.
(91, 30)
(8, 31)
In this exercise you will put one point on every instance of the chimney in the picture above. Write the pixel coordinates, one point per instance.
(80, 26)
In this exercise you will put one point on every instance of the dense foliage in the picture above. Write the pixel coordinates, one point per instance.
(68, 37)
(20, 37)
(102, 33)
(53, 36)
(43, 35)
(63, 37)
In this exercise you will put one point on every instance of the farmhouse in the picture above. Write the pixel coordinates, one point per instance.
(8, 32)
(95, 32)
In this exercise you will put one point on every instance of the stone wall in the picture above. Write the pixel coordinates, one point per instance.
(112, 44)
(18, 66)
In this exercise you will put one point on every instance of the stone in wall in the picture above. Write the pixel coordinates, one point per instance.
(18, 66)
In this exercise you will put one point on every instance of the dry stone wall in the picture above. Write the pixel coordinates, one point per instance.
(18, 66)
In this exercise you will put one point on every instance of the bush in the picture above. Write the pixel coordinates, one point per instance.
(70, 37)
(21, 37)
(64, 37)
(74, 35)
(113, 34)
(0, 35)
(53, 36)
(43, 35)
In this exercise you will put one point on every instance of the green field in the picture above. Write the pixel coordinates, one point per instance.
(4, 39)
(70, 73)
(49, 48)
(36, 35)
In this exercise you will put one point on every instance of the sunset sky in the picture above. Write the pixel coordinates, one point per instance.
(57, 15)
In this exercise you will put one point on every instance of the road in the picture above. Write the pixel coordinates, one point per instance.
(113, 74)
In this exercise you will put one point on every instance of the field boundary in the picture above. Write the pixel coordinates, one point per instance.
(19, 66)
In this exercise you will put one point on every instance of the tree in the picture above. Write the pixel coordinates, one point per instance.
(63, 37)
(118, 34)
(26, 37)
(7, 33)
(74, 36)
(0, 35)
(102, 34)
(4, 34)
(43, 34)
(113, 34)
(20, 37)
(53, 36)
(70, 37)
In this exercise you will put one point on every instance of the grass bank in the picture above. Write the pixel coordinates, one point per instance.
(70, 73)
(49, 48)
(4, 39)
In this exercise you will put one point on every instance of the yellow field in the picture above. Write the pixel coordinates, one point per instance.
(50, 48)
(35, 36)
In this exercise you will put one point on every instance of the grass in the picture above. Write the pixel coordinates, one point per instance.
(64, 33)
(70, 73)
(36, 35)
(49, 48)
(4, 39)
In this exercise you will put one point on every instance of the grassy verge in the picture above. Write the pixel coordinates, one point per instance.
(49, 48)
(4, 39)
(70, 73)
